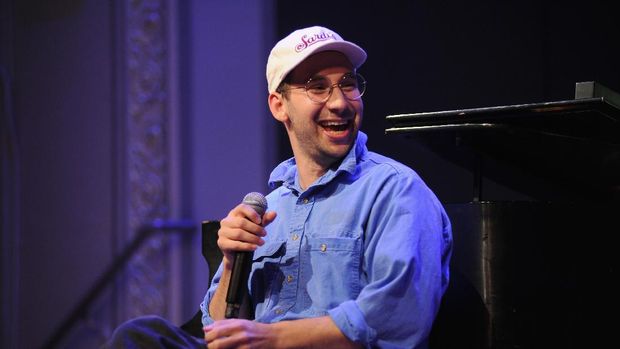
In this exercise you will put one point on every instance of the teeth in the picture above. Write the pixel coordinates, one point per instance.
(333, 123)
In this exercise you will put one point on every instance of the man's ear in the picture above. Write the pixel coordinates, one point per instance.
(277, 107)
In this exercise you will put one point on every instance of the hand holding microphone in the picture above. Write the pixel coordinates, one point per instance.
(245, 229)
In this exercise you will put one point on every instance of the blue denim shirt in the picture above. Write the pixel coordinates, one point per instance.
(367, 244)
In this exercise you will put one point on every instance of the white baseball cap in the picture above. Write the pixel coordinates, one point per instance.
(302, 43)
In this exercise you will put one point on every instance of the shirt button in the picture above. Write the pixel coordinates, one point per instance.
(289, 279)
(323, 247)
(295, 237)
(306, 200)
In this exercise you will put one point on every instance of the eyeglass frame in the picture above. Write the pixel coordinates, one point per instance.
(357, 76)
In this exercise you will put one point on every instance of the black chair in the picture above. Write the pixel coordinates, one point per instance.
(213, 256)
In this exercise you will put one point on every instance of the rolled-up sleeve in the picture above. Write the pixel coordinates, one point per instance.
(204, 306)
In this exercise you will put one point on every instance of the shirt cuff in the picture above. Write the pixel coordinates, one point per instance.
(350, 320)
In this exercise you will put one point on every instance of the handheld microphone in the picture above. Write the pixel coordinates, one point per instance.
(238, 286)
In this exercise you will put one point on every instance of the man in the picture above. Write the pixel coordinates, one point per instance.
(354, 249)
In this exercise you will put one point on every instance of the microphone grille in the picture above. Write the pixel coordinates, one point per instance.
(257, 201)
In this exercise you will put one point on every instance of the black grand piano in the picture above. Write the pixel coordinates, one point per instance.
(542, 272)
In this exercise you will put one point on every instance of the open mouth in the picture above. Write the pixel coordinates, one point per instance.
(335, 126)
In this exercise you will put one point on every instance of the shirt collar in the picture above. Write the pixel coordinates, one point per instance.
(286, 172)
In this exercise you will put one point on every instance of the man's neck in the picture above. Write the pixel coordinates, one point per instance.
(308, 173)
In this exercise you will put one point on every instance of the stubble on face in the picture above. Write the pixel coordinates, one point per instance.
(322, 134)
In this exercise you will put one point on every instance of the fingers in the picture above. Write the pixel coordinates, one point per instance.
(269, 217)
(241, 229)
(247, 212)
(239, 234)
(226, 334)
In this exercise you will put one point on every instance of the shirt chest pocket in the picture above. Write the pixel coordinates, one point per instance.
(266, 270)
(331, 270)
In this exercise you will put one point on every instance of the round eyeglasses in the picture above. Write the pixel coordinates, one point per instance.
(319, 89)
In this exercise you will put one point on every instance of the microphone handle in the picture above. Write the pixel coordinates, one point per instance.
(238, 287)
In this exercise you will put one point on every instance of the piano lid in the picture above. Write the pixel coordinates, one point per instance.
(577, 140)
(594, 115)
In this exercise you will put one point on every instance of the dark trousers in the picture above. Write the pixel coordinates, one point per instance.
(151, 332)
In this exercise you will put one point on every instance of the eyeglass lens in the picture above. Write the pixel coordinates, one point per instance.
(319, 89)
